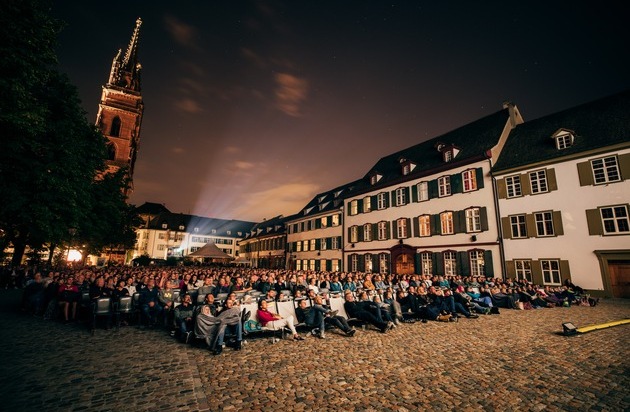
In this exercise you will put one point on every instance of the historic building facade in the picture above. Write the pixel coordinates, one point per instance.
(564, 192)
(121, 108)
(265, 244)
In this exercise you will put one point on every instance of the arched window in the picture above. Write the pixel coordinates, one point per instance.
(115, 129)
(111, 151)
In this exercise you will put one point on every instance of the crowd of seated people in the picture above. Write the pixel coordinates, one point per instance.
(176, 297)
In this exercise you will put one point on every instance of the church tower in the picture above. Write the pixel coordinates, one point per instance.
(120, 110)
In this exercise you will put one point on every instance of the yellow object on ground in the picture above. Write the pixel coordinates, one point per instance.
(602, 326)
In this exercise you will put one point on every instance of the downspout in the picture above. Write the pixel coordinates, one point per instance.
(497, 217)
(343, 241)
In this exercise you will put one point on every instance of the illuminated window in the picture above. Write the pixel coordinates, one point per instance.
(367, 204)
(424, 225)
(477, 263)
(473, 220)
(427, 263)
(469, 178)
(450, 263)
(423, 191)
(401, 196)
(367, 232)
(401, 228)
(446, 221)
(382, 230)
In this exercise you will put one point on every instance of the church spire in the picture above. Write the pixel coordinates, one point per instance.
(125, 70)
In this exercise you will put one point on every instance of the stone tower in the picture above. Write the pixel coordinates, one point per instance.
(120, 110)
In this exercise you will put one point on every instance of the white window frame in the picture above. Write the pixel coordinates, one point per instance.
(382, 263)
(335, 219)
(354, 262)
(544, 224)
(367, 204)
(334, 243)
(551, 272)
(335, 265)
(322, 244)
(367, 232)
(446, 223)
(473, 220)
(382, 230)
(401, 196)
(513, 186)
(469, 180)
(444, 186)
(324, 222)
(369, 265)
(381, 200)
(298, 246)
(477, 262)
(298, 264)
(354, 207)
(406, 169)
(450, 263)
(523, 269)
(313, 244)
(564, 140)
(538, 181)
(423, 191)
(305, 245)
(605, 170)
(426, 263)
(615, 220)
(401, 228)
(424, 225)
(354, 234)
(518, 225)
(311, 264)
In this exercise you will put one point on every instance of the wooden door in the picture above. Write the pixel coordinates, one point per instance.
(404, 264)
(619, 278)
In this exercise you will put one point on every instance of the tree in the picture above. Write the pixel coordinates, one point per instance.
(50, 156)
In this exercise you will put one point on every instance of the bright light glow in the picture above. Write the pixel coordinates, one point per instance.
(74, 256)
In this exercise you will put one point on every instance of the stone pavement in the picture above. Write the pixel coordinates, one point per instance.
(513, 361)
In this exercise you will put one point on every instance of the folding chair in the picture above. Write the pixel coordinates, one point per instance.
(101, 307)
(124, 306)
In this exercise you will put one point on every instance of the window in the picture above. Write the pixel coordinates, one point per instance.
(382, 230)
(335, 265)
(305, 245)
(605, 170)
(477, 263)
(114, 131)
(426, 262)
(324, 222)
(367, 232)
(298, 246)
(401, 196)
(448, 156)
(164, 225)
(563, 141)
(450, 263)
(519, 227)
(423, 191)
(373, 180)
(161, 247)
(538, 181)
(335, 220)
(367, 204)
(354, 234)
(382, 263)
(313, 244)
(381, 201)
(368, 262)
(615, 219)
(334, 243)
(544, 223)
(161, 236)
(354, 207)
(444, 186)
(311, 264)
(513, 185)
(424, 225)
(473, 220)
(446, 221)
(111, 151)
(551, 272)
(322, 244)
(523, 270)
(406, 169)
(354, 263)
(401, 228)
(469, 178)
(298, 265)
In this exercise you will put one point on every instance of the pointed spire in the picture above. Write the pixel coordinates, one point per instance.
(129, 62)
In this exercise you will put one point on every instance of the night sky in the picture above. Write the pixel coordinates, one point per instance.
(252, 108)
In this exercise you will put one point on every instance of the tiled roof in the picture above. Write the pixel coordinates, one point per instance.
(204, 225)
(268, 227)
(326, 201)
(597, 124)
(149, 208)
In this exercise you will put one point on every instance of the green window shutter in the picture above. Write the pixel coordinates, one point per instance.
(360, 236)
(416, 227)
(435, 225)
(565, 270)
(457, 185)
(433, 189)
(387, 202)
(328, 241)
(392, 198)
(506, 227)
(483, 216)
(374, 202)
(388, 263)
(530, 224)
(348, 208)
(389, 231)
(585, 173)
(594, 221)
(463, 265)
(349, 233)
(407, 198)
(339, 245)
(438, 263)
(487, 261)
(408, 227)
(510, 269)
(480, 180)
(414, 193)
(328, 265)
(459, 221)
(318, 224)
(349, 268)
(624, 165)
(317, 264)
(526, 187)
(501, 189)
(374, 231)
(360, 206)
(318, 244)
(556, 217)
(552, 183)
(417, 263)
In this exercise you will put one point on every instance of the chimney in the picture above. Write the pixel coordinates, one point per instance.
(513, 113)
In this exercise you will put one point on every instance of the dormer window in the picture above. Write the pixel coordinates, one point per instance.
(164, 226)
(375, 178)
(196, 230)
(407, 167)
(449, 151)
(564, 138)
(181, 227)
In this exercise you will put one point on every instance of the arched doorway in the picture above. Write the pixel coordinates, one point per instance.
(403, 259)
